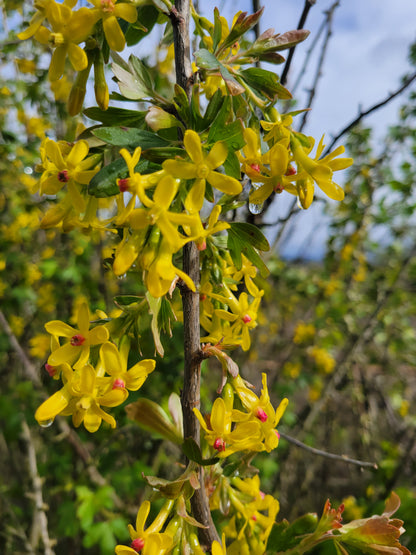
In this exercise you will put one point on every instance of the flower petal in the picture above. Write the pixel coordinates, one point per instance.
(193, 147)
(225, 183)
(114, 34)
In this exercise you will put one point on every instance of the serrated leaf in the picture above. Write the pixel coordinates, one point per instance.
(130, 86)
(129, 137)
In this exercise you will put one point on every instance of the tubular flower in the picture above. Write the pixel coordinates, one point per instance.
(277, 158)
(242, 316)
(157, 212)
(252, 161)
(149, 541)
(81, 397)
(109, 11)
(245, 436)
(80, 339)
(260, 409)
(115, 364)
(199, 232)
(201, 170)
(277, 129)
(68, 30)
(162, 272)
(317, 170)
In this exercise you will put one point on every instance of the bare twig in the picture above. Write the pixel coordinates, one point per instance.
(40, 521)
(362, 114)
(308, 5)
(325, 454)
(329, 18)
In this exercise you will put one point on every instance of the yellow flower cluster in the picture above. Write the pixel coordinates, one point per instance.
(231, 430)
(287, 165)
(88, 387)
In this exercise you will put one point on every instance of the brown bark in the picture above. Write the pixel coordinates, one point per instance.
(192, 368)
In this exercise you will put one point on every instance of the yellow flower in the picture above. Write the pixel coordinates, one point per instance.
(304, 332)
(225, 438)
(323, 360)
(39, 346)
(42, 6)
(64, 163)
(149, 541)
(260, 409)
(26, 66)
(317, 170)
(68, 30)
(115, 364)
(201, 170)
(80, 339)
(109, 11)
(162, 272)
(81, 397)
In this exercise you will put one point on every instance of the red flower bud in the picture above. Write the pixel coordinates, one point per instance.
(246, 318)
(261, 415)
(219, 444)
(137, 544)
(123, 184)
(51, 370)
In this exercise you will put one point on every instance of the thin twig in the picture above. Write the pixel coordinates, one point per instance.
(308, 5)
(40, 521)
(363, 114)
(324, 49)
(325, 454)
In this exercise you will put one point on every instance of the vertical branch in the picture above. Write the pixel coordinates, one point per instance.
(190, 397)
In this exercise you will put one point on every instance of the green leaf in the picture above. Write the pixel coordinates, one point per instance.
(116, 116)
(129, 137)
(232, 166)
(147, 16)
(265, 82)
(213, 108)
(192, 450)
(251, 234)
(241, 26)
(103, 184)
(205, 59)
(285, 536)
(244, 238)
(216, 36)
(231, 135)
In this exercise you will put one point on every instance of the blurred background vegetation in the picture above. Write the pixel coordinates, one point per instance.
(337, 337)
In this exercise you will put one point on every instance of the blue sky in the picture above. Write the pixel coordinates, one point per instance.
(366, 58)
